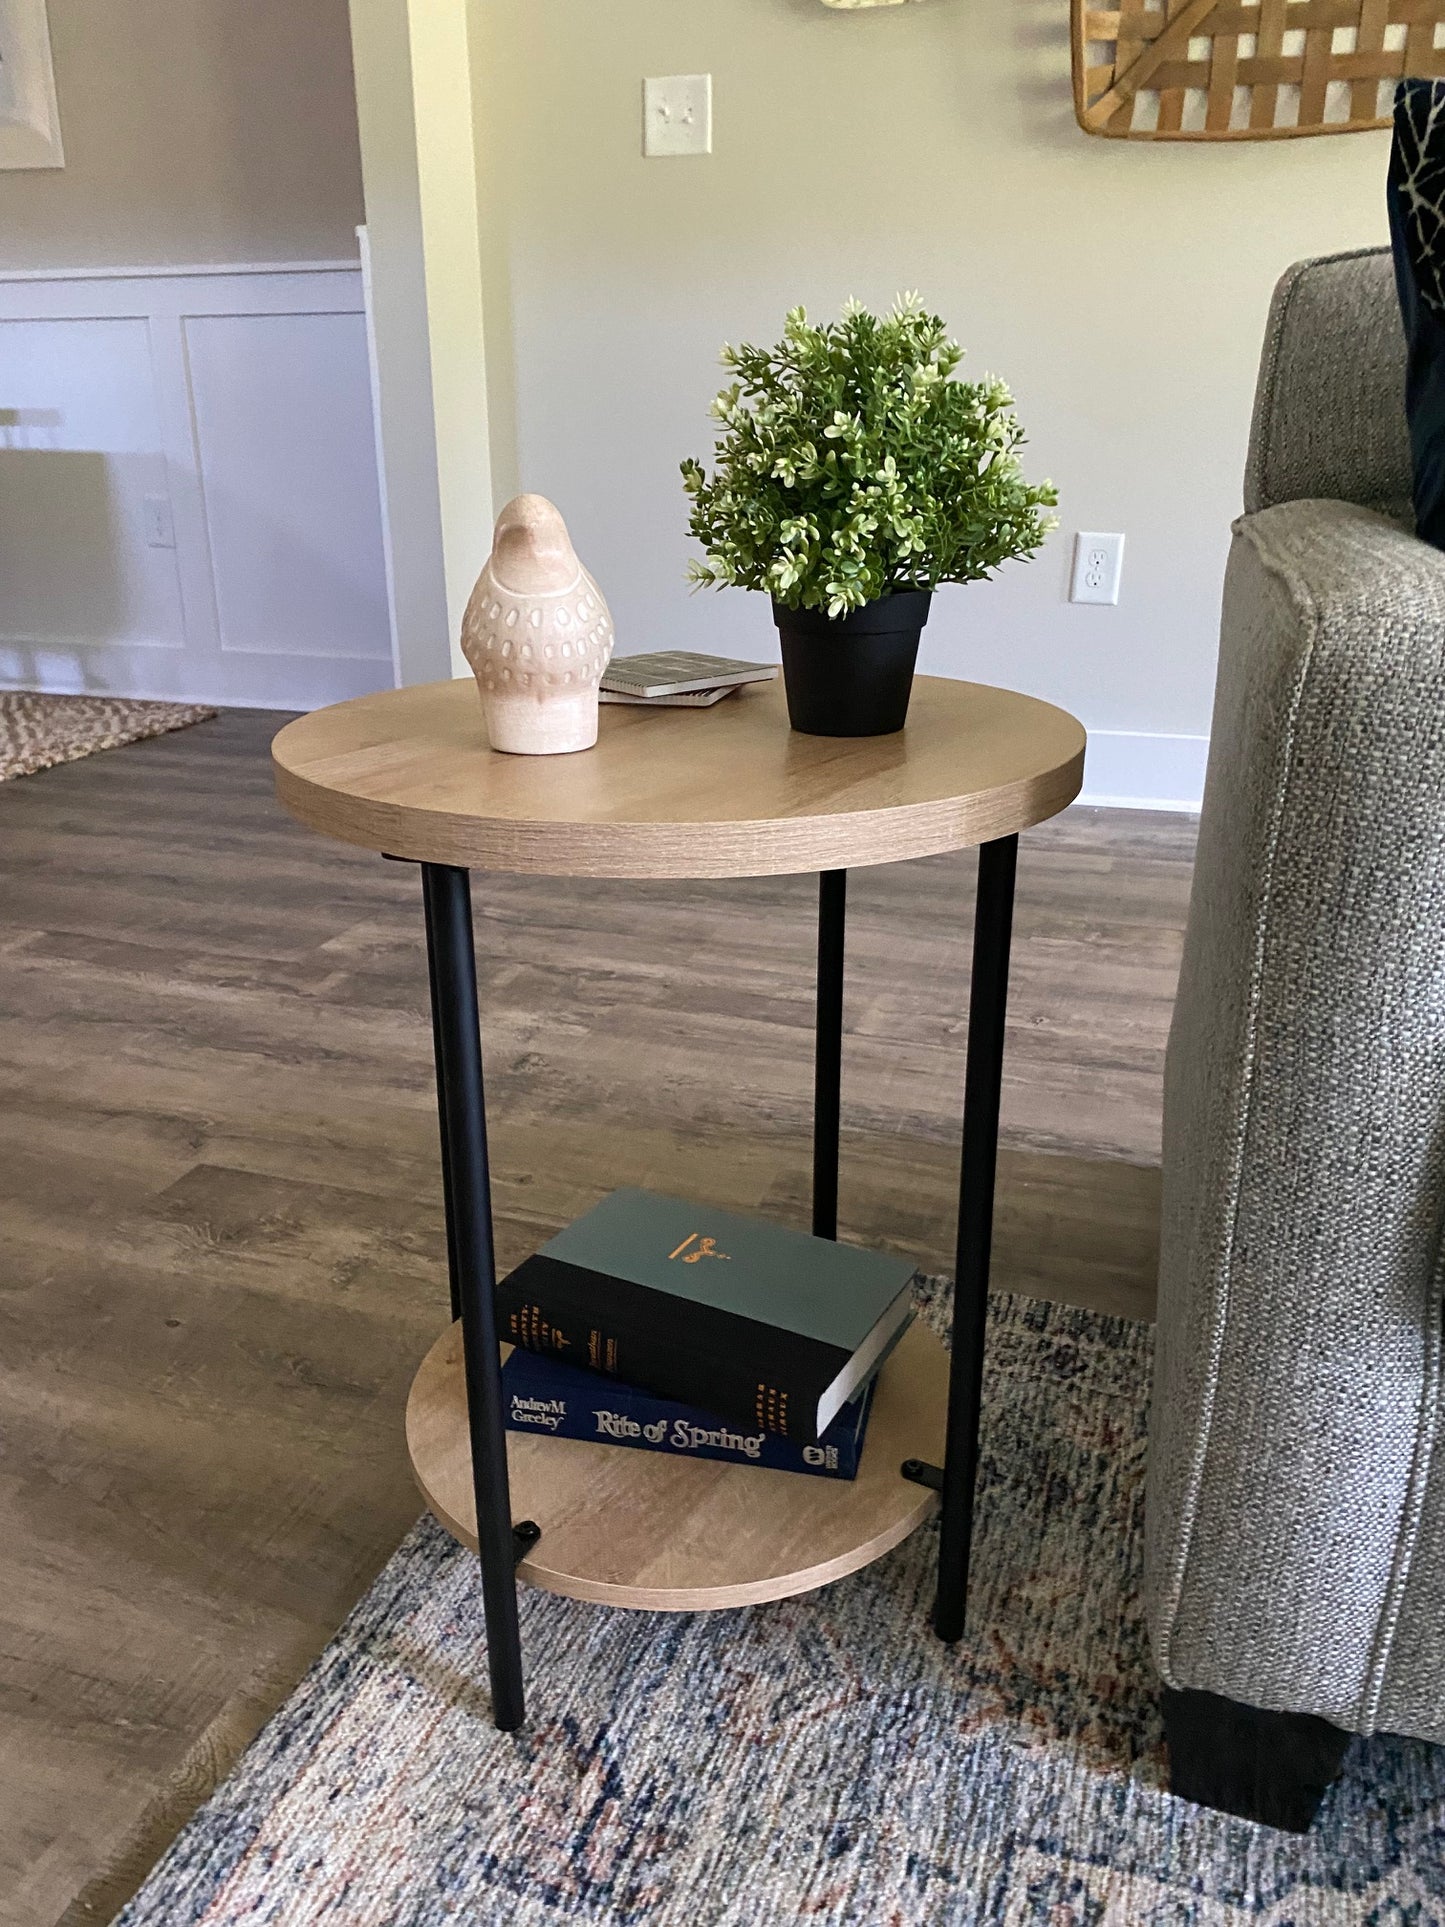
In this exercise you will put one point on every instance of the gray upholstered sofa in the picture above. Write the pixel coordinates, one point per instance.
(1296, 1509)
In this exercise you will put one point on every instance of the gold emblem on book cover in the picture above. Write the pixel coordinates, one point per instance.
(706, 1248)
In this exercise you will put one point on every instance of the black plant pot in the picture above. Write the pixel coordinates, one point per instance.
(852, 675)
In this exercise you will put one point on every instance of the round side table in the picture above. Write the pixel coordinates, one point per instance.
(720, 792)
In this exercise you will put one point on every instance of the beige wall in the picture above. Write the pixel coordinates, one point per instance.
(1120, 288)
(196, 131)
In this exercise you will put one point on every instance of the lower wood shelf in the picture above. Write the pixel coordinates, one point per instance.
(663, 1534)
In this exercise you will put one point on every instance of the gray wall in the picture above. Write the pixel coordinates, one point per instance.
(196, 132)
(1120, 288)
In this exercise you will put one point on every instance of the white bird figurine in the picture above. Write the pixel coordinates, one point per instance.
(537, 634)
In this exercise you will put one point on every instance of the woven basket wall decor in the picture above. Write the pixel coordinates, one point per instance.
(1212, 70)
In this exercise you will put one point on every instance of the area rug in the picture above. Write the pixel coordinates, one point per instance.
(37, 732)
(824, 1759)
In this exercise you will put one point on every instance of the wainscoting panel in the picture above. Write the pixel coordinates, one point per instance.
(285, 452)
(74, 475)
(189, 503)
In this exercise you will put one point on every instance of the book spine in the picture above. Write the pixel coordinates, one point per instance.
(755, 1376)
(565, 1404)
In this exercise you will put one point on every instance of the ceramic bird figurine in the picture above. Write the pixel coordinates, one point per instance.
(537, 634)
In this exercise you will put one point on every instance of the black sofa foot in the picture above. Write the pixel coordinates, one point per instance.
(1273, 1768)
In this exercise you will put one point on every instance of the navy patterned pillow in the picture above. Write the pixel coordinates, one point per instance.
(1416, 197)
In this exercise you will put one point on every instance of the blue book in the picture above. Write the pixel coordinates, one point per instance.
(567, 1402)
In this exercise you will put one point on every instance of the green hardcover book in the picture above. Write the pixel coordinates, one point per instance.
(768, 1327)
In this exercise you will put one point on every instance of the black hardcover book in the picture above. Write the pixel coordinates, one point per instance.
(770, 1328)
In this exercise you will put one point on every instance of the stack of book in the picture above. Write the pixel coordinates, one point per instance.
(672, 1327)
(678, 679)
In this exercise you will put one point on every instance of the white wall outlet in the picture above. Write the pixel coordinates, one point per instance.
(1098, 564)
(159, 524)
(677, 115)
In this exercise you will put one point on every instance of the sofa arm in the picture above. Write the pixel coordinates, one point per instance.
(1329, 409)
(1294, 1532)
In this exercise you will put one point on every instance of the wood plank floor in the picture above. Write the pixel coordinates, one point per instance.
(220, 1250)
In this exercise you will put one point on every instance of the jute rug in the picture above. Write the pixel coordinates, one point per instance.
(822, 1760)
(37, 732)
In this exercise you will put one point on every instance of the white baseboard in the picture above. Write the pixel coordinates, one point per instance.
(1130, 769)
(147, 673)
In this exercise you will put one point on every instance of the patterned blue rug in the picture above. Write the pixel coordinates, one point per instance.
(822, 1760)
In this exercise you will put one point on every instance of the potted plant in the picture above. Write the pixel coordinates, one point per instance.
(853, 475)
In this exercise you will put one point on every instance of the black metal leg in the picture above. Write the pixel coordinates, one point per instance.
(983, 1079)
(828, 1051)
(446, 893)
(439, 1055)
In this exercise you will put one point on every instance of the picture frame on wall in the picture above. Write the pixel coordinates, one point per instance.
(29, 111)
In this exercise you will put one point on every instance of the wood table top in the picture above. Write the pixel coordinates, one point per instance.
(725, 791)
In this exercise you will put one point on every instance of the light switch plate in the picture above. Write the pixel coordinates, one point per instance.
(677, 115)
(1098, 564)
(160, 527)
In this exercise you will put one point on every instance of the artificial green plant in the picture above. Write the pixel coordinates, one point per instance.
(850, 464)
